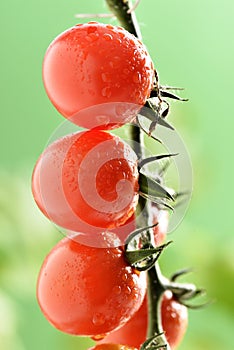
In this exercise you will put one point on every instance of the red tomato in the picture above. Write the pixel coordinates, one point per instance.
(174, 321)
(111, 347)
(92, 64)
(161, 217)
(86, 181)
(84, 290)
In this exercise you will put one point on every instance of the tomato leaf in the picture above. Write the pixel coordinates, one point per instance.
(173, 96)
(154, 158)
(144, 259)
(152, 188)
(150, 114)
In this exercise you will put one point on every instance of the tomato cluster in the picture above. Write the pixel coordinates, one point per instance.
(98, 76)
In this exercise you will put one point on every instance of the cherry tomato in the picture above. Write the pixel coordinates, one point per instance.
(86, 181)
(111, 347)
(161, 217)
(174, 321)
(94, 64)
(84, 290)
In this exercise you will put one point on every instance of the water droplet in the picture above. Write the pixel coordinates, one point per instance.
(92, 37)
(106, 92)
(136, 78)
(88, 38)
(106, 77)
(122, 35)
(99, 337)
(117, 290)
(102, 120)
(128, 290)
(98, 319)
(124, 277)
(92, 29)
(109, 26)
(107, 37)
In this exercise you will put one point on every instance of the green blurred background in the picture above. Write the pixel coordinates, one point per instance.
(191, 43)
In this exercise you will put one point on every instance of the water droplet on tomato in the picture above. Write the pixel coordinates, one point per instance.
(136, 78)
(102, 120)
(106, 77)
(99, 337)
(106, 92)
(98, 319)
(92, 29)
(122, 35)
(108, 37)
(124, 276)
(109, 26)
(92, 37)
(117, 290)
(128, 290)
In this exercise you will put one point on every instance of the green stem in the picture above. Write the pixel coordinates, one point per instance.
(155, 288)
(128, 20)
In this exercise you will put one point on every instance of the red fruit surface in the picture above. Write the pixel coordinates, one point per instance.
(174, 321)
(89, 291)
(94, 64)
(87, 182)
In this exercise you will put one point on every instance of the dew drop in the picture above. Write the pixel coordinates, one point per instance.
(128, 290)
(92, 37)
(109, 26)
(99, 337)
(124, 277)
(102, 120)
(106, 78)
(117, 290)
(106, 92)
(107, 37)
(92, 29)
(136, 78)
(173, 315)
(98, 319)
(122, 35)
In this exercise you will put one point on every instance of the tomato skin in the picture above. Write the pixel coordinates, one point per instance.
(111, 347)
(87, 181)
(93, 64)
(174, 322)
(84, 290)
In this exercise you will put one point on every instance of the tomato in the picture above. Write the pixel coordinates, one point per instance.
(174, 321)
(86, 181)
(161, 217)
(111, 347)
(84, 290)
(99, 66)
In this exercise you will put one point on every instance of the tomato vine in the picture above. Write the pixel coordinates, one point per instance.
(95, 186)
